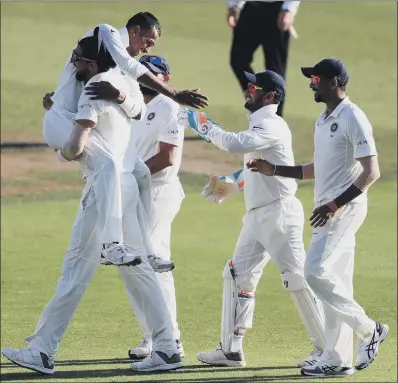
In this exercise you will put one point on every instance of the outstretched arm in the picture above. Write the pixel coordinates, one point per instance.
(300, 172)
(113, 43)
(244, 142)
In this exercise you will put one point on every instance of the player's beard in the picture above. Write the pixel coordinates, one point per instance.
(81, 76)
(318, 98)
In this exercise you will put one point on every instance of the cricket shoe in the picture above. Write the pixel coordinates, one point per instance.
(158, 361)
(313, 357)
(323, 369)
(160, 265)
(369, 347)
(217, 357)
(30, 358)
(118, 255)
(143, 350)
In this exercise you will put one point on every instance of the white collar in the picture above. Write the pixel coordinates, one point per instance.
(265, 111)
(337, 110)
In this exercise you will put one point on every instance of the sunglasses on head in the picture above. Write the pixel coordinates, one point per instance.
(253, 88)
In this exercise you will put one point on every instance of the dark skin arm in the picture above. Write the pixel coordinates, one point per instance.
(163, 159)
(105, 91)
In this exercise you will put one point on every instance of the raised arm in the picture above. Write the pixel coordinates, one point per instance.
(113, 43)
(244, 142)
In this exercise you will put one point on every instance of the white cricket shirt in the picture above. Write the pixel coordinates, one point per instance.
(112, 124)
(159, 125)
(68, 89)
(268, 137)
(340, 139)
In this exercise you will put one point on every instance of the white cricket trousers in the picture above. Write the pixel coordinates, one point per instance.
(80, 265)
(166, 203)
(270, 232)
(57, 128)
(329, 270)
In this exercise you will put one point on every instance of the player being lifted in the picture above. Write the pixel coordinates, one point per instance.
(139, 36)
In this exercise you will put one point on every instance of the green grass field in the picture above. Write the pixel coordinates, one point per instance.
(38, 207)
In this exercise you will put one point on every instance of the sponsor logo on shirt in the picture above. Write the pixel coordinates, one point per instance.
(362, 142)
(334, 127)
(151, 116)
(175, 131)
(84, 106)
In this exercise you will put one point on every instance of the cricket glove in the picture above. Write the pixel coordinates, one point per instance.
(219, 188)
(197, 122)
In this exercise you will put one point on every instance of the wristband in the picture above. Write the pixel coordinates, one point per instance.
(289, 171)
(347, 196)
(121, 98)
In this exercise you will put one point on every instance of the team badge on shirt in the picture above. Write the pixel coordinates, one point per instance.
(334, 127)
(151, 116)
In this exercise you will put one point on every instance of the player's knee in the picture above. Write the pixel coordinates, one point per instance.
(293, 282)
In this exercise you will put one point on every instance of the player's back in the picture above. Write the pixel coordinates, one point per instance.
(261, 190)
(112, 124)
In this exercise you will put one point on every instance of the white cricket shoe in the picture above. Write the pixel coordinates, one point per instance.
(30, 358)
(218, 358)
(158, 361)
(118, 255)
(325, 368)
(369, 347)
(143, 350)
(160, 265)
(313, 357)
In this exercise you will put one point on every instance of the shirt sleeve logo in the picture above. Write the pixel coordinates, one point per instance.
(151, 116)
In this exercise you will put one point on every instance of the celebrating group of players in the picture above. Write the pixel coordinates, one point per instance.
(124, 125)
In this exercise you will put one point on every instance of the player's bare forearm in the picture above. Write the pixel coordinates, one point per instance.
(74, 147)
(370, 172)
(163, 159)
(151, 81)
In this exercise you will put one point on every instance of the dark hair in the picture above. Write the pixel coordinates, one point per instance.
(90, 50)
(145, 20)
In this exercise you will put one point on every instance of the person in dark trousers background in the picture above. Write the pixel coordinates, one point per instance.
(265, 23)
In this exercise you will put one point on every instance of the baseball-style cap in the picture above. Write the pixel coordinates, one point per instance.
(156, 64)
(269, 81)
(328, 68)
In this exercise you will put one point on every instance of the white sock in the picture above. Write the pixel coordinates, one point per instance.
(237, 343)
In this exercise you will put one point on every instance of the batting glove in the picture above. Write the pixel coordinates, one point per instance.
(219, 188)
(197, 122)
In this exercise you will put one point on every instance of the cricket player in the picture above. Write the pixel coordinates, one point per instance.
(81, 260)
(139, 36)
(272, 227)
(344, 166)
(158, 140)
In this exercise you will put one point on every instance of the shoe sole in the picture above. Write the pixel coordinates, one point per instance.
(136, 358)
(160, 271)
(325, 375)
(137, 261)
(44, 371)
(163, 367)
(230, 363)
(364, 365)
